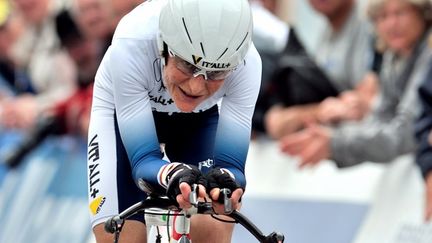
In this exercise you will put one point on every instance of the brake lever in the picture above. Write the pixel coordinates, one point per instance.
(226, 200)
(193, 196)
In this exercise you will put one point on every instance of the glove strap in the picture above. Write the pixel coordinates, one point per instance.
(166, 172)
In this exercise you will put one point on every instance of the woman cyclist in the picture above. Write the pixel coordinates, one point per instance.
(172, 106)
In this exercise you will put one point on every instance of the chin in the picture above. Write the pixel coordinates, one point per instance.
(186, 108)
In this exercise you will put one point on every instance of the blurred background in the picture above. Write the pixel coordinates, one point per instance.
(334, 149)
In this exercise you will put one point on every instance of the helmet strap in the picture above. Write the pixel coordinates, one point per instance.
(164, 57)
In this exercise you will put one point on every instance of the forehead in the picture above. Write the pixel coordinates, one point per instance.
(81, 4)
(386, 4)
(328, 3)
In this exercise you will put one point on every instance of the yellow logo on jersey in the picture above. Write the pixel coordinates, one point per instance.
(96, 205)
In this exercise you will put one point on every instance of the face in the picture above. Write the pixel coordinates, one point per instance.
(9, 33)
(271, 5)
(399, 25)
(94, 18)
(34, 11)
(4, 41)
(121, 7)
(329, 7)
(186, 90)
(84, 53)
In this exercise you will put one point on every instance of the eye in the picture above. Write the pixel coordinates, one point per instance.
(216, 75)
(188, 65)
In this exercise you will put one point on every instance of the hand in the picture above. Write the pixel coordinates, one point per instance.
(219, 178)
(280, 121)
(180, 178)
(356, 105)
(20, 112)
(428, 206)
(348, 106)
(311, 145)
(329, 110)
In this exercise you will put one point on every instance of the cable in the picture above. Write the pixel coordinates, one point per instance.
(159, 236)
(168, 226)
(224, 220)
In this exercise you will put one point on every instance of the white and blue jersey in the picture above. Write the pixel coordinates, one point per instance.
(133, 113)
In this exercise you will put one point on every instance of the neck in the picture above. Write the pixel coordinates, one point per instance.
(338, 19)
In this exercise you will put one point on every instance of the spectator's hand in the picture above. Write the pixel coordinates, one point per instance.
(356, 106)
(180, 177)
(331, 110)
(348, 106)
(221, 178)
(311, 145)
(281, 121)
(428, 205)
(20, 112)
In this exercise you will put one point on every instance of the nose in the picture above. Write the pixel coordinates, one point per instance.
(197, 84)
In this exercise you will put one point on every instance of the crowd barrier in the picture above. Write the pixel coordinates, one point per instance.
(44, 199)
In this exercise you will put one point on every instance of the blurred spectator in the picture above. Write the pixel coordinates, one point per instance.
(95, 19)
(270, 43)
(12, 80)
(424, 138)
(345, 42)
(268, 40)
(73, 113)
(387, 131)
(344, 55)
(70, 116)
(38, 53)
(121, 7)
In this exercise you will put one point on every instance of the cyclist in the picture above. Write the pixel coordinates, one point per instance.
(182, 75)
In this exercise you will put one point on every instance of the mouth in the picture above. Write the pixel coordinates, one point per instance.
(189, 95)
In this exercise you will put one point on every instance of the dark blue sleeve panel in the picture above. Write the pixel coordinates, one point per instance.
(424, 126)
(133, 109)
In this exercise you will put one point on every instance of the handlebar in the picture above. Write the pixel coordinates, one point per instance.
(115, 224)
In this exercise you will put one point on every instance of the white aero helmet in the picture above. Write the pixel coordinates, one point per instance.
(210, 34)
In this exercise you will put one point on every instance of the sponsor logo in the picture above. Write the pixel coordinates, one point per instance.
(96, 205)
(93, 167)
(206, 163)
(197, 60)
(161, 100)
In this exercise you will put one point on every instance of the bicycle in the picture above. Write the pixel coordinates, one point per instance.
(176, 221)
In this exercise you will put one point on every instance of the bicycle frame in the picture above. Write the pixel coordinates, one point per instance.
(161, 226)
(175, 227)
(181, 227)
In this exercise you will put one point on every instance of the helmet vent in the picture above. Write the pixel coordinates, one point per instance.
(186, 29)
(202, 49)
(242, 41)
(223, 53)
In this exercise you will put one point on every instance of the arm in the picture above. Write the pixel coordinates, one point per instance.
(350, 105)
(132, 106)
(423, 129)
(388, 131)
(234, 127)
(423, 134)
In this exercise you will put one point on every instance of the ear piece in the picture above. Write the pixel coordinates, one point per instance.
(160, 44)
(163, 49)
(162, 61)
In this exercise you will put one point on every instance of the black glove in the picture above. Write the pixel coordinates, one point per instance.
(183, 173)
(220, 178)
